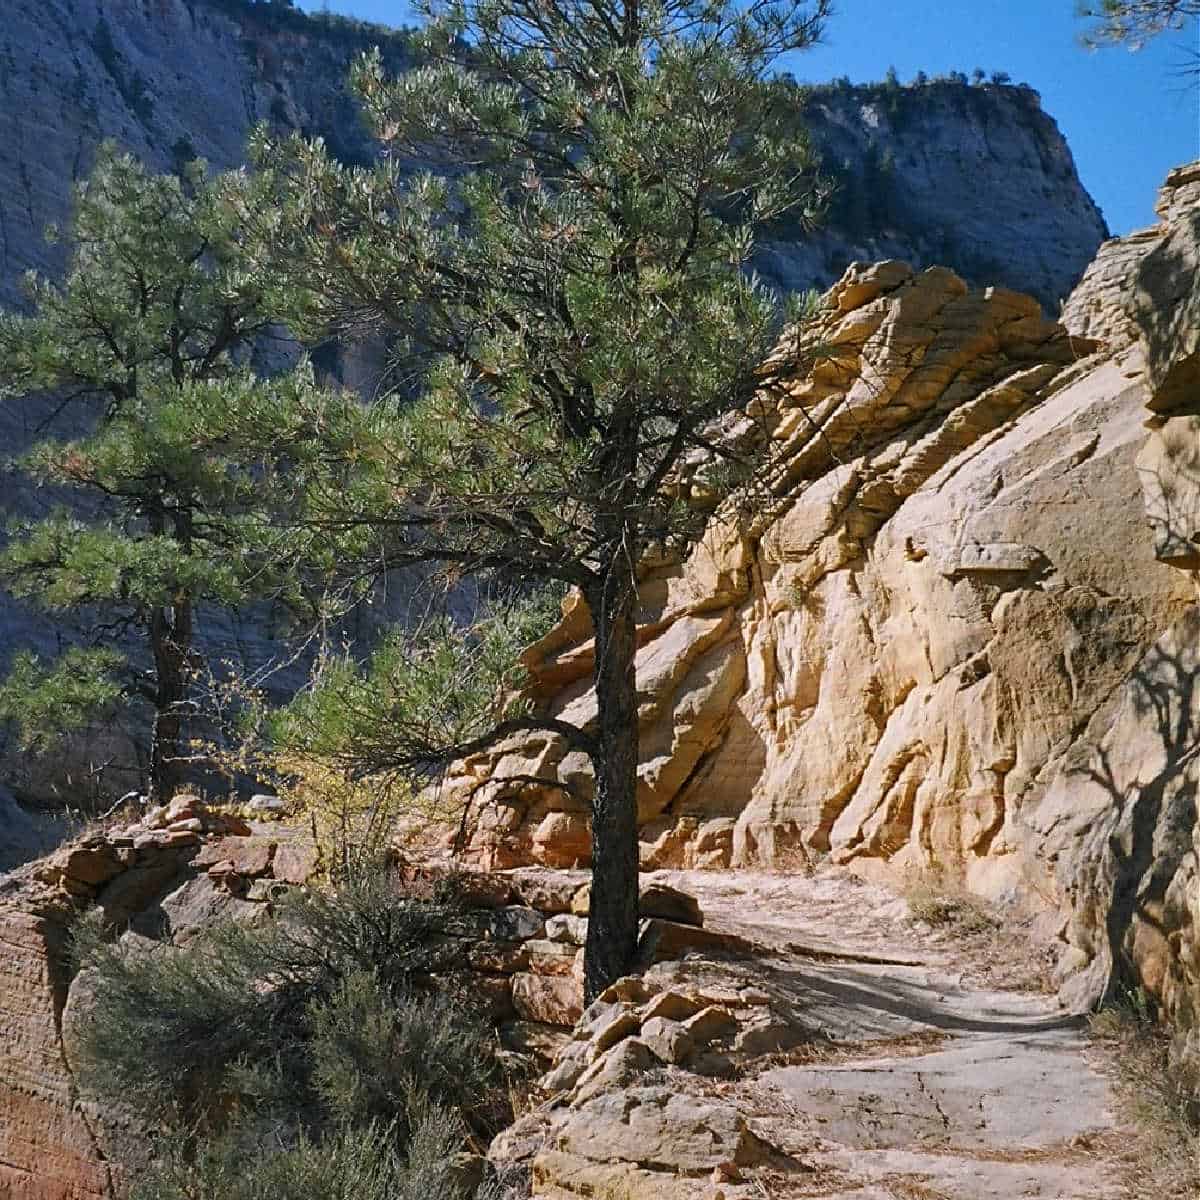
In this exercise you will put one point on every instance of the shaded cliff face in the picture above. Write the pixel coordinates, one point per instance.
(169, 80)
(952, 646)
(975, 178)
(979, 179)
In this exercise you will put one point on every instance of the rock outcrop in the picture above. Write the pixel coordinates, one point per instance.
(1120, 820)
(929, 174)
(183, 866)
(22, 837)
(949, 607)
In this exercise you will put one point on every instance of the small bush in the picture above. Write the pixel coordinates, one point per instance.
(941, 908)
(165, 1023)
(1156, 1077)
(310, 1032)
(373, 1059)
(349, 1164)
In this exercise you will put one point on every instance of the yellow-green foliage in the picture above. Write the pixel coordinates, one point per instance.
(350, 819)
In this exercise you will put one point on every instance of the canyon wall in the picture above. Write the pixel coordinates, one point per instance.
(976, 177)
(952, 644)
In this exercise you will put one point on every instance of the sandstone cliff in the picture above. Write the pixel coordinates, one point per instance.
(948, 647)
(976, 178)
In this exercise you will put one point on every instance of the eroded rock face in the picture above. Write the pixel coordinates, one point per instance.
(21, 838)
(1120, 820)
(48, 1149)
(954, 579)
(949, 603)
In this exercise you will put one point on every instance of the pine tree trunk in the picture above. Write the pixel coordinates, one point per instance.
(613, 919)
(171, 643)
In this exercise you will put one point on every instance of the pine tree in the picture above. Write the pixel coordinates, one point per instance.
(148, 334)
(1134, 22)
(569, 292)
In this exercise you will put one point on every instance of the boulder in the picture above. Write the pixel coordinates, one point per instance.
(548, 999)
(665, 941)
(295, 861)
(559, 1176)
(514, 923)
(549, 892)
(498, 958)
(566, 928)
(552, 958)
(90, 865)
(667, 1040)
(656, 1127)
(250, 858)
(615, 1069)
(659, 900)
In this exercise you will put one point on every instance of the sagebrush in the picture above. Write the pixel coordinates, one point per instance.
(316, 1036)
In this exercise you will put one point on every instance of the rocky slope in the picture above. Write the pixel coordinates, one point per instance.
(950, 646)
(796, 1034)
(843, 1052)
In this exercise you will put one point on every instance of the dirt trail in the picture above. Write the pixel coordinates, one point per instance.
(934, 1087)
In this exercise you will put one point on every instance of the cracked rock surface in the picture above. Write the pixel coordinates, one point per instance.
(900, 1074)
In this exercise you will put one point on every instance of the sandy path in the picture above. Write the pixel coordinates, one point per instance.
(934, 1087)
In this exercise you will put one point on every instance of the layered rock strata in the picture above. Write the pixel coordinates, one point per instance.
(946, 604)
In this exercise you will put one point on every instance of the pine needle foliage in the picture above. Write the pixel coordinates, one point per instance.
(569, 295)
(145, 343)
(1133, 23)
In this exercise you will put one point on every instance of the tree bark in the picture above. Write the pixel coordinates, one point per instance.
(613, 919)
(171, 643)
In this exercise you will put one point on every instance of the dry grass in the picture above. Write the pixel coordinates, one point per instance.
(795, 858)
(942, 908)
(912, 1187)
(999, 947)
(1155, 1075)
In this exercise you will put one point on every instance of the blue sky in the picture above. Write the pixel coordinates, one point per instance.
(1128, 117)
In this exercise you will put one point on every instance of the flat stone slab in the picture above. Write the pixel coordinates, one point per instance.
(1022, 1093)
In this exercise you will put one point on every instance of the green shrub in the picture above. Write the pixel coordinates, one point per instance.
(165, 1023)
(348, 1164)
(372, 1058)
(316, 1019)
